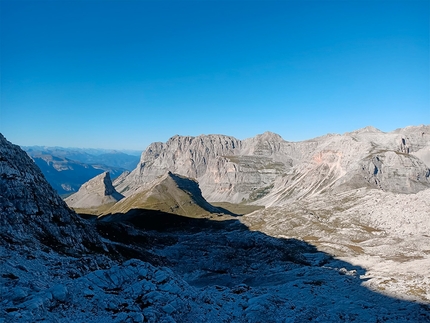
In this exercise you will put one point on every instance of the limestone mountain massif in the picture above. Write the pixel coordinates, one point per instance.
(268, 170)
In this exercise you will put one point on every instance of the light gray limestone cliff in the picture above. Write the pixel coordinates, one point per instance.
(96, 192)
(268, 170)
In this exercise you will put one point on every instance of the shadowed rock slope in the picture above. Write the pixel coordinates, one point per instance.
(96, 192)
(31, 212)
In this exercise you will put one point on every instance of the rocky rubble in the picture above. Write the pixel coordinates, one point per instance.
(243, 276)
(385, 233)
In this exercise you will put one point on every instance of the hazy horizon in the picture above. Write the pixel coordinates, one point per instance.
(121, 75)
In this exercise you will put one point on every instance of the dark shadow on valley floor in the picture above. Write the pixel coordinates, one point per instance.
(225, 254)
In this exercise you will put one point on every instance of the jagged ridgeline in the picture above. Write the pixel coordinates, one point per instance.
(268, 170)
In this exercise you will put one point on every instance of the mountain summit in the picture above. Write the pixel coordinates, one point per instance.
(96, 192)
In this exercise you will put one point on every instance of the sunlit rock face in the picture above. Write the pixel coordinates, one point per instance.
(96, 192)
(268, 170)
(31, 212)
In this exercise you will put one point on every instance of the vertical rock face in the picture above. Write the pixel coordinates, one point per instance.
(188, 156)
(225, 167)
(30, 210)
(96, 192)
(267, 169)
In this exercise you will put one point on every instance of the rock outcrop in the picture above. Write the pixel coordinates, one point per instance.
(94, 193)
(31, 212)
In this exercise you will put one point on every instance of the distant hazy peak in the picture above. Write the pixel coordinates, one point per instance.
(368, 129)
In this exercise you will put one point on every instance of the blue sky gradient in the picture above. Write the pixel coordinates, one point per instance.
(122, 74)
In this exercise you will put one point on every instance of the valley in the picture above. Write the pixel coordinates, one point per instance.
(212, 228)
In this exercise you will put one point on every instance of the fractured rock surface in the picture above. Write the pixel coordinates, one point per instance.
(268, 170)
(96, 192)
(31, 211)
(334, 253)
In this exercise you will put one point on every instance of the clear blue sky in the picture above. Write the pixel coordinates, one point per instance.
(122, 74)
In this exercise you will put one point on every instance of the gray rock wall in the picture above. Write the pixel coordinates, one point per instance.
(268, 170)
(31, 212)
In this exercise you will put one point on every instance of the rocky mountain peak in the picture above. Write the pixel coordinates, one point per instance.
(96, 192)
(269, 136)
(266, 166)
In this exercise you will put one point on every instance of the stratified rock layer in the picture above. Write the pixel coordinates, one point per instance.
(268, 170)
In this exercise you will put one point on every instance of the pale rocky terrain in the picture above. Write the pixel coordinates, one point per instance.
(268, 170)
(385, 233)
(346, 243)
(96, 192)
(362, 196)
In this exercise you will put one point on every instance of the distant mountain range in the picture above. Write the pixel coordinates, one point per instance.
(66, 169)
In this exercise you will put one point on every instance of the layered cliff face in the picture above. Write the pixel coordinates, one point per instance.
(31, 211)
(268, 170)
(96, 192)
(363, 158)
(226, 168)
